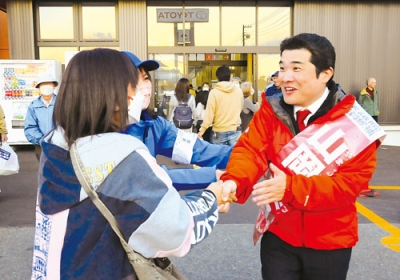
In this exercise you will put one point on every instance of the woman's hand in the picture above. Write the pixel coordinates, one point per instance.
(217, 188)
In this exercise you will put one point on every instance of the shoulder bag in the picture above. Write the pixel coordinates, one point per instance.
(154, 268)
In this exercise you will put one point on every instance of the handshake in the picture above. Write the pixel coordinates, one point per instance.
(225, 192)
(265, 192)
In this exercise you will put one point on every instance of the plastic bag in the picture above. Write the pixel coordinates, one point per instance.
(8, 160)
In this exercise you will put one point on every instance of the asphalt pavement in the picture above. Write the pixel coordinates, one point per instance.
(228, 253)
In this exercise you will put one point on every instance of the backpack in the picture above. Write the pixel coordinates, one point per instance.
(183, 116)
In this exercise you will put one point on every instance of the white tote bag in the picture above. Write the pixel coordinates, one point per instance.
(8, 160)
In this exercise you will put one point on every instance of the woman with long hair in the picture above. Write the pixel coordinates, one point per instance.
(97, 98)
(182, 96)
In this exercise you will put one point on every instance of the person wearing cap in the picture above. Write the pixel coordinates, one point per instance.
(159, 135)
(39, 117)
(270, 82)
(276, 87)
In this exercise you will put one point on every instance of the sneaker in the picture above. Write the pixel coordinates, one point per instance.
(364, 191)
(368, 193)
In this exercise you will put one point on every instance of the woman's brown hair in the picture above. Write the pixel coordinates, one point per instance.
(182, 90)
(94, 93)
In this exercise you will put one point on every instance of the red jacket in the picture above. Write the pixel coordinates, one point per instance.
(329, 219)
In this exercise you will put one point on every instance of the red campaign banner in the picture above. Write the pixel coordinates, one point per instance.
(319, 150)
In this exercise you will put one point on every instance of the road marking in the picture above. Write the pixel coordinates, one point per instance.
(392, 242)
(385, 187)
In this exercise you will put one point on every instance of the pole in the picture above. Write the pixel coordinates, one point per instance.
(243, 35)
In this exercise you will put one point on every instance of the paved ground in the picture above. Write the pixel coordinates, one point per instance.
(228, 253)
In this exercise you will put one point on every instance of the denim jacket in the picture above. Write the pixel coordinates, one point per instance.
(39, 120)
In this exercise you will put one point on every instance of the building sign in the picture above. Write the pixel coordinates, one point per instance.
(177, 15)
(181, 37)
(211, 56)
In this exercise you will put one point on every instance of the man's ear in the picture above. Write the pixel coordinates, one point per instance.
(327, 74)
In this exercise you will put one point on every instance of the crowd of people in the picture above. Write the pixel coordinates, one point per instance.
(311, 216)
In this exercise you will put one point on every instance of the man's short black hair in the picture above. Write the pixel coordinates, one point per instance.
(323, 54)
(223, 73)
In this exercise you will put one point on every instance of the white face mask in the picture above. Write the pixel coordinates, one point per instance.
(135, 107)
(206, 89)
(46, 90)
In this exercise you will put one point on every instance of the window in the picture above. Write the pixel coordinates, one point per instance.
(49, 23)
(238, 26)
(274, 25)
(85, 25)
(99, 23)
(160, 33)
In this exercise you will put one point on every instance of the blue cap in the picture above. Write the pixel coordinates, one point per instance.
(148, 65)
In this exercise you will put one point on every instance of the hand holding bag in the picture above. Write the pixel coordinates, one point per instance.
(145, 269)
(8, 160)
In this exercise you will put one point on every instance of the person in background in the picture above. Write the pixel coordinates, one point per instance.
(72, 239)
(159, 135)
(202, 94)
(192, 91)
(236, 81)
(201, 105)
(182, 96)
(3, 127)
(249, 108)
(270, 81)
(276, 87)
(369, 99)
(38, 119)
(313, 214)
(225, 102)
(198, 90)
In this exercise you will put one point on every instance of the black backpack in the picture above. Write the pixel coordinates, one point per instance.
(183, 116)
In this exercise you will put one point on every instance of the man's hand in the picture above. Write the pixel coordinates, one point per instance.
(271, 190)
(228, 195)
(218, 190)
(200, 135)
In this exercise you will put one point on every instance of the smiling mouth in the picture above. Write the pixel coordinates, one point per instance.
(289, 89)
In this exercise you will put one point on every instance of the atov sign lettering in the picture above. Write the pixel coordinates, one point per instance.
(177, 15)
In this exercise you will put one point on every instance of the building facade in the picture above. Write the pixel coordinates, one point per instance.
(193, 38)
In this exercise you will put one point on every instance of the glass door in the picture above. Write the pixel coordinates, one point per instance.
(164, 79)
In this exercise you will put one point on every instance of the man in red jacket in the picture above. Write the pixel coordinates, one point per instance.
(314, 226)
